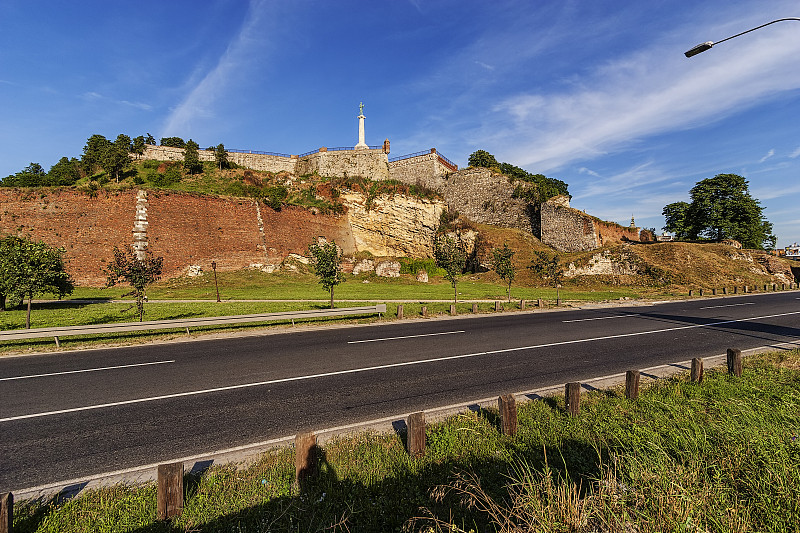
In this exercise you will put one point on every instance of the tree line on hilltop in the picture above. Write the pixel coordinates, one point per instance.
(103, 160)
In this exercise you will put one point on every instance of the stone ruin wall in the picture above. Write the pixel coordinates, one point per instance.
(569, 230)
(485, 197)
(265, 162)
(372, 163)
(426, 170)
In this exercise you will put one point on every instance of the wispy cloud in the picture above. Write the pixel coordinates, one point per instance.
(649, 92)
(239, 55)
(95, 96)
(584, 170)
(796, 153)
(767, 156)
(484, 65)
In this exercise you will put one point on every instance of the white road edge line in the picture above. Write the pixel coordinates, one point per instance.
(597, 318)
(86, 370)
(728, 305)
(378, 367)
(407, 337)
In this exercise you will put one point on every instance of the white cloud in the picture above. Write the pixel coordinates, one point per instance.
(796, 153)
(484, 65)
(95, 96)
(652, 91)
(769, 154)
(584, 170)
(239, 55)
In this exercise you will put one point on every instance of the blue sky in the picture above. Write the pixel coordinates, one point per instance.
(596, 93)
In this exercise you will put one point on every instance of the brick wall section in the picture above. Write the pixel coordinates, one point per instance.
(612, 233)
(292, 229)
(485, 197)
(185, 229)
(195, 230)
(88, 228)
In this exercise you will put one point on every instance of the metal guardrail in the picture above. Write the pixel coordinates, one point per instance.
(408, 156)
(447, 162)
(56, 332)
(259, 152)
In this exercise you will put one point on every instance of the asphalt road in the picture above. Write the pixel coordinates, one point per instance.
(75, 414)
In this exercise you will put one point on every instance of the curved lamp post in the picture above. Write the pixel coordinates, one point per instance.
(702, 47)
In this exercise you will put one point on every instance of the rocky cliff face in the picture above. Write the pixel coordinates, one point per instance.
(394, 225)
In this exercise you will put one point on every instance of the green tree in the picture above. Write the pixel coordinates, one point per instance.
(31, 176)
(94, 153)
(127, 267)
(326, 260)
(721, 208)
(138, 145)
(503, 264)
(29, 269)
(482, 158)
(221, 156)
(191, 157)
(676, 221)
(149, 139)
(548, 266)
(175, 142)
(65, 172)
(451, 256)
(117, 156)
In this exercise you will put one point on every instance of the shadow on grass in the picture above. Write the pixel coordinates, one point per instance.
(328, 502)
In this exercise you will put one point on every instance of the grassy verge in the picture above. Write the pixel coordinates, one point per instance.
(249, 285)
(721, 456)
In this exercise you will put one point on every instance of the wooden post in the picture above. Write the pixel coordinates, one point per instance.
(691, 293)
(572, 397)
(58, 344)
(783, 286)
(6, 512)
(507, 406)
(496, 305)
(305, 457)
(453, 309)
(539, 303)
(400, 311)
(765, 288)
(424, 310)
(415, 439)
(632, 384)
(697, 370)
(724, 290)
(735, 289)
(169, 499)
(522, 305)
(474, 308)
(713, 292)
(701, 292)
(735, 362)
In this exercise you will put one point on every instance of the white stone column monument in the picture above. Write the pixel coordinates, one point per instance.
(361, 144)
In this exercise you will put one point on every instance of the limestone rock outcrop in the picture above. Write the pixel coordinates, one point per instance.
(393, 225)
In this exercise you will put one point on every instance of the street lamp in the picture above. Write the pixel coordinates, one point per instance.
(214, 267)
(702, 47)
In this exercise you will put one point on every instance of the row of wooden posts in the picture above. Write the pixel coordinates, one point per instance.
(498, 306)
(746, 289)
(170, 494)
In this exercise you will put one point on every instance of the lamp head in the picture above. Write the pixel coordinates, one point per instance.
(702, 47)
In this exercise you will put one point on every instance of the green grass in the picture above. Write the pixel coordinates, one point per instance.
(289, 289)
(721, 456)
